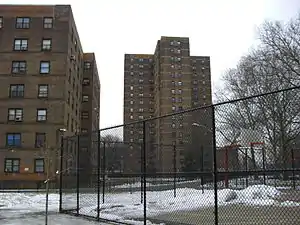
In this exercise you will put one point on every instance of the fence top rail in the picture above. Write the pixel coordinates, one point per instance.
(137, 143)
(201, 107)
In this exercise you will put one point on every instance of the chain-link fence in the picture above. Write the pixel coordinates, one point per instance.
(236, 162)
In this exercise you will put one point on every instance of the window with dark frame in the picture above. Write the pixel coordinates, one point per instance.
(16, 91)
(18, 67)
(84, 130)
(85, 98)
(41, 115)
(22, 22)
(87, 65)
(40, 140)
(69, 97)
(15, 114)
(44, 67)
(48, 22)
(84, 114)
(21, 45)
(39, 165)
(1, 22)
(46, 44)
(86, 82)
(11, 165)
(13, 139)
(43, 90)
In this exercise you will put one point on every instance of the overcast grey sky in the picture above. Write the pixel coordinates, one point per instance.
(222, 29)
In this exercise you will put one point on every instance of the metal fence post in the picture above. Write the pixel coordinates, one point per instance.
(77, 175)
(264, 164)
(202, 169)
(293, 168)
(144, 172)
(174, 169)
(246, 165)
(103, 171)
(215, 168)
(226, 168)
(61, 172)
(98, 176)
(142, 175)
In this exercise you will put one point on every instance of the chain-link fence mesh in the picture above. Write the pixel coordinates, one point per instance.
(256, 139)
(231, 163)
(68, 174)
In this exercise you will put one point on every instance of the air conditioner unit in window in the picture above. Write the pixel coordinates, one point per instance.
(18, 119)
(73, 57)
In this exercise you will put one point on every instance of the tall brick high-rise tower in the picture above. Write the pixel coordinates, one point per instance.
(168, 81)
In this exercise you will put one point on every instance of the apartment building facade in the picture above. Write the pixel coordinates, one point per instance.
(169, 81)
(90, 113)
(42, 94)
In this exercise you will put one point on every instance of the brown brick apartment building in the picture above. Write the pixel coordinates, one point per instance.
(47, 84)
(166, 82)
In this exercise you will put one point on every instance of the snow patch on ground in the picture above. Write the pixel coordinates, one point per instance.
(127, 207)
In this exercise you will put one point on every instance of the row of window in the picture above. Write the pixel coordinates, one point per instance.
(173, 66)
(175, 43)
(141, 88)
(139, 65)
(140, 73)
(177, 58)
(177, 108)
(142, 81)
(140, 117)
(141, 95)
(173, 99)
(16, 114)
(141, 102)
(15, 140)
(142, 110)
(12, 165)
(18, 90)
(174, 75)
(141, 59)
(20, 67)
(21, 44)
(24, 22)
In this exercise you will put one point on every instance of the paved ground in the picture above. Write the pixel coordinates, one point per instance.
(235, 215)
(8, 217)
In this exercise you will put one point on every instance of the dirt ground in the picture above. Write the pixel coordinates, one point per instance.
(235, 215)
(239, 214)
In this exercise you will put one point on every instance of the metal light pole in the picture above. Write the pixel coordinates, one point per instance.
(202, 152)
(47, 191)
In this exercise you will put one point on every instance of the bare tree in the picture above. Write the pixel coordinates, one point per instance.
(274, 65)
(282, 40)
(115, 151)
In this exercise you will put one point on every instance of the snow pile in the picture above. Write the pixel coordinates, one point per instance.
(257, 195)
(226, 195)
(290, 203)
(132, 185)
(30, 202)
(124, 205)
